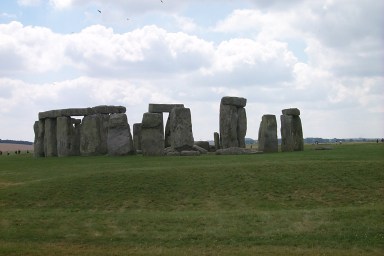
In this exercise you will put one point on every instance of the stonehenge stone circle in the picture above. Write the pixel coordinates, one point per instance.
(152, 134)
(267, 141)
(233, 122)
(119, 140)
(105, 130)
(291, 130)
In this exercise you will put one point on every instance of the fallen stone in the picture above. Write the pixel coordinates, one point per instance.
(202, 144)
(189, 153)
(200, 149)
(234, 151)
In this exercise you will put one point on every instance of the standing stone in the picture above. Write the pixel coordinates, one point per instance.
(152, 134)
(38, 144)
(167, 135)
(233, 122)
(241, 126)
(291, 131)
(181, 129)
(93, 135)
(75, 138)
(228, 126)
(137, 136)
(267, 141)
(50, 141)
(216, 138)
(64, 135)
(119, 136)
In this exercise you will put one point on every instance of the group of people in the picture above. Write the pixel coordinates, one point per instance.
(17, 152)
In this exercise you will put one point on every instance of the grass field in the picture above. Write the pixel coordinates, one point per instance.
(328, 202)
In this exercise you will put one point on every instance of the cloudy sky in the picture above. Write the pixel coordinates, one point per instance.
(325, 57)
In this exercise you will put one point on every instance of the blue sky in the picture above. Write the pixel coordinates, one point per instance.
(324, 57)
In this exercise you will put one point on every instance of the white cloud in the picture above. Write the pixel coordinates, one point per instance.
(28, 2)
(61, 4)
(250, 53)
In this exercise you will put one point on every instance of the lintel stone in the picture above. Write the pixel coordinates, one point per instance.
(160, 108)
(234, 101)
(291, 112)
(82, 111)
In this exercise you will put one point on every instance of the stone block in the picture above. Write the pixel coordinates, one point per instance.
(161, 108)
(234, 101)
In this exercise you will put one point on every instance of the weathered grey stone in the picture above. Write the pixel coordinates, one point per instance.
(65, 131)
(181, 129)
(161, 108)
(228, 126)
(234, 151)
(234, 101)
(267, 141)
(291, 133)
(169, 151)
(82, 111)
(167, 133)
(200, 149)
(152, 120)
(291, 112)
(50, 141)
(152, 134)
(93, 135)
(137, 136)
(216, 138)
(38, 144)
(189, 153)
(75, 138)
(68, 136)
(119, 140)
(202, 144)
(241, 126)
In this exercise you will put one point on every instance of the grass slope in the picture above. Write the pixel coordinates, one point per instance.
(311, 202)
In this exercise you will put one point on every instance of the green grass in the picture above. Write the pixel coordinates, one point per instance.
(301, 203)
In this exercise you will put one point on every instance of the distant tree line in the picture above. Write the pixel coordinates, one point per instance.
(20, 142)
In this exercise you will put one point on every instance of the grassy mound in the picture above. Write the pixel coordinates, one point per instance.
(311, 202)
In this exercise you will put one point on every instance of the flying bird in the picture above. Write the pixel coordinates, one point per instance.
(99, 11)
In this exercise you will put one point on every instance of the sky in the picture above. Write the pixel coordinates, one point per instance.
(325, 57)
